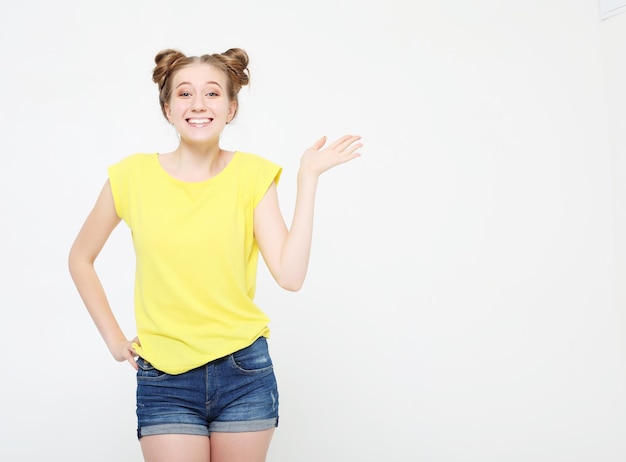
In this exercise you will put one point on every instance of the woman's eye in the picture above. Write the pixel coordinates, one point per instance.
(185, 94)
(212, 93)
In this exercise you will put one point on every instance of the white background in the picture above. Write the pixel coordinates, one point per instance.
(466, 299)
(609, 8)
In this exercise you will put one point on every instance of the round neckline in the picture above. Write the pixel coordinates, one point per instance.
(208, 180)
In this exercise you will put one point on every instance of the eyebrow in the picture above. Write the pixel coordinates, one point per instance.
(206, 83)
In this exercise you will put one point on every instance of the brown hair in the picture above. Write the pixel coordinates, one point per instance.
(233, 62)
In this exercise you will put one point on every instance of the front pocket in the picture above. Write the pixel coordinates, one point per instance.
(147, 370)
(253, 359)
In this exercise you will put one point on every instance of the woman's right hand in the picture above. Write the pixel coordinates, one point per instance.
(125, 351)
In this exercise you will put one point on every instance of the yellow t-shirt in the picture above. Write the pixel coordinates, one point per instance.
(196, 257)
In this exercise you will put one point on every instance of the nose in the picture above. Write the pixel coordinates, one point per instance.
(198, 103)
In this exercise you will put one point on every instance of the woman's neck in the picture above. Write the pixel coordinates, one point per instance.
(194, 163)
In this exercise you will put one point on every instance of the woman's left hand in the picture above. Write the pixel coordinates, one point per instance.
(317, 160)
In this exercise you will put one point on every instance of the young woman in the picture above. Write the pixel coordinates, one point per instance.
(199, 215)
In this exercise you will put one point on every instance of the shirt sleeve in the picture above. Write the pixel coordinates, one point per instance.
(118, 178)
(267, 173)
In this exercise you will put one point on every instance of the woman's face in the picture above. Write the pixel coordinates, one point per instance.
(199, 106)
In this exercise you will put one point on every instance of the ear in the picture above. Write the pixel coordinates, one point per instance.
(232, 109)
(168, 112)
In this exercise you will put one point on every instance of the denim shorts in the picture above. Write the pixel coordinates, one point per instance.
(236, 393)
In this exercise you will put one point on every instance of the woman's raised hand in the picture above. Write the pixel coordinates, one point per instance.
(317, 159)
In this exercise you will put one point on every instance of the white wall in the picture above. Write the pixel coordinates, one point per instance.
(465, 300)
(614, 59)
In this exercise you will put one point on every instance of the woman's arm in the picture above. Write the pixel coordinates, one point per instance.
(286, 251)
(94, 233)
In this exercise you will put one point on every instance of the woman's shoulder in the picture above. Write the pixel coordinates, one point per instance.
(248, 156)
(252, 159)
(131, 166)
(135, 160)
(138, 157)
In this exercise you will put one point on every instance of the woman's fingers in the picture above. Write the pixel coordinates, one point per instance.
(318, 144)
(343, 142)
(131, 360)
(316, 160)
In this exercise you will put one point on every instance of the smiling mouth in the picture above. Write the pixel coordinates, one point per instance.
(199, 121)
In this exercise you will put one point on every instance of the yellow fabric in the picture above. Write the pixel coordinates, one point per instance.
(196, 257)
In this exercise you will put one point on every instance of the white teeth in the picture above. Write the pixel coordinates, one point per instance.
(199, 121)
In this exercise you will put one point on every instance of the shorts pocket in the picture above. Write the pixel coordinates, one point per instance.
(147, 370)
(253, 359)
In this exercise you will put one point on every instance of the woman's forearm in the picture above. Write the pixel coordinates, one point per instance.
(91, 292)
(297, 245)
